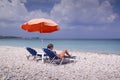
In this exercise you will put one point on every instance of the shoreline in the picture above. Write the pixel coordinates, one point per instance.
(97, 52)
(102, 46)
(87, 66)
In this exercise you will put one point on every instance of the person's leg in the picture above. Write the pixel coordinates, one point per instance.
(62, 54)
(66, 52)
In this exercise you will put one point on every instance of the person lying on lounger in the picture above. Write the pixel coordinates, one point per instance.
(59, 55)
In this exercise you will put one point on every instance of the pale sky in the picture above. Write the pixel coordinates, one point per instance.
(76, 18)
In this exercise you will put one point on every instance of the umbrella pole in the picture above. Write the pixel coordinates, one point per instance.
(42, 48)
(43, 52)
(42, 43)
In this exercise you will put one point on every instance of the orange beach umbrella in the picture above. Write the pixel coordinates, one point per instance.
(41, 25)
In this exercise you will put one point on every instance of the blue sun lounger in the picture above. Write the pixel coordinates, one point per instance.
(53, 56)
(33, 53)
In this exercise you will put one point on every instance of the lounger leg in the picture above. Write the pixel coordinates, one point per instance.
(34, 57)
(28, 57)
(61, 61)
(52, 60)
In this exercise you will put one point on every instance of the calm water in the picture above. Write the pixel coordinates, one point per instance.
(110, 46)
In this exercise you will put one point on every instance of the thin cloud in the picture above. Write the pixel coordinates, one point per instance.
(84, 11)
(66, 12)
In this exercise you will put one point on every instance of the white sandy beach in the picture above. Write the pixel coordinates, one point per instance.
(88, 66)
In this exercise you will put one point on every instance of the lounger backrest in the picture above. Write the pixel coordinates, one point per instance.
(32, 51)
(50, 53)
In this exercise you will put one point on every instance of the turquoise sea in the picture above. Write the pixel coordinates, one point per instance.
(84, 45)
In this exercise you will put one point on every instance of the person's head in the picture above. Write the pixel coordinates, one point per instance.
(50, 46)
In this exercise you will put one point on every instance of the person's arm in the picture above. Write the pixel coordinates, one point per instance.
(54, 52)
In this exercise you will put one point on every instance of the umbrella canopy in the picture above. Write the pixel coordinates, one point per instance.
(41, 25)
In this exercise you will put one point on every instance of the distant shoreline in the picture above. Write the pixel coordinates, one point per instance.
(16, 37)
